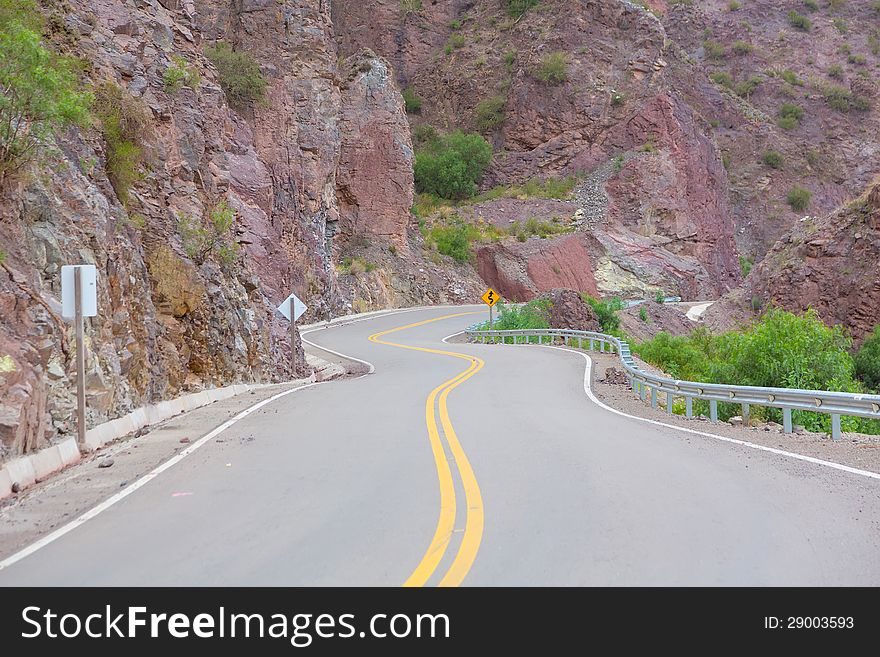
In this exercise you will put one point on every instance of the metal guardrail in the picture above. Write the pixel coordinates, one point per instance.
(644, 383)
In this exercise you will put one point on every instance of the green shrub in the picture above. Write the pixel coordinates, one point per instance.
(451, 166)
(516, 8)
(799, 198)
(411, 101)
(606, 312)
(455, 25)
(838, 98)
(867, 361)
(660, 296)
(453, 239)
(721, 77)
(772, 159)
(643, 314)
(858, 60)
(552, 69)
(456, 42)
(509, 59)
(747, 87)
(39, 90)
(532, 315)
(742, 47)
(558, 188)
(790, 115)
(781, 350)
(179, 74)
(840, 25)
(734, 5)
(410, 6)
(124, 123)
(791, 77)
(835, 71)
(534, 227)
(617, 99)
(239, 75)
(713, 49)
(357, 265)
(490, 113)
(745, 265)
(812, 5)
(799, 21)
(202, 239)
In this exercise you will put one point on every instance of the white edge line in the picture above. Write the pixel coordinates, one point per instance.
(152, 474)
(743, 443)
(451, 336)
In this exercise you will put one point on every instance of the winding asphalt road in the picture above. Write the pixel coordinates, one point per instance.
(469, 464)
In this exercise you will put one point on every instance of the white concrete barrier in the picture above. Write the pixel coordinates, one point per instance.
(26, 470)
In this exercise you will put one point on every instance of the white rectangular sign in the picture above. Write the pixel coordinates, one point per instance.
(89, 282)
(298, 307)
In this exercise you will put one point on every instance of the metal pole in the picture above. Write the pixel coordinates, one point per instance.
(491, 318)
(80, 359)
(292, 341)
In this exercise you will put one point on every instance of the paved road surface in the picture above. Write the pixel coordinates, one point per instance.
(342, 484)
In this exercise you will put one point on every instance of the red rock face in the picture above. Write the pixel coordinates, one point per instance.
(828, 263)
(568, 310)
(374, 179)
(520, 271)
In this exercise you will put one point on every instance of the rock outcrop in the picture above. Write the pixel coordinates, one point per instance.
(827, 263)
(568, 310)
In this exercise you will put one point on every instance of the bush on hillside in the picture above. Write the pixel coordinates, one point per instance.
(239, 75)
(452, 165)
(552, 69)
(606, 312)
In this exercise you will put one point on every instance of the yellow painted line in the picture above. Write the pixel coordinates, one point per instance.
(473, 532)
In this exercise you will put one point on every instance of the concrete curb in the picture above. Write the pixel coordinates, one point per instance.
(27, 470)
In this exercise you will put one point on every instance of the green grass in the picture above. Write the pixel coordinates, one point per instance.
(791, 77)
(799, 21)
(772, 159)
(489, 113)
(714, 50)
(516, 8)
(411, 101)
(742, 47)
(790, 116)
(721, 77)
(552, 69)
(534, 227)
(180, 74)
(745, 265)
(799, 198)
(556, 188)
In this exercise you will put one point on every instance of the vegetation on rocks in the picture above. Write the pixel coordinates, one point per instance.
(552, 69)
(606, 312)
(180, 74)
(39, 90)
(239, 75)
(124, 125)
(867, 361)
(203, 239)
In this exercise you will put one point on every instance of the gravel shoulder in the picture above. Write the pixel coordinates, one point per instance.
(855, 450)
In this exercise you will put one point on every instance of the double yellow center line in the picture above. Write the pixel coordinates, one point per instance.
(473, 532)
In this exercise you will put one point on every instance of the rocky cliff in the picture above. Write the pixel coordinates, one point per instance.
(827, 263)
(323, 160)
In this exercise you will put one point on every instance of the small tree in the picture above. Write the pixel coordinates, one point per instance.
(39, 90)
(203, 239)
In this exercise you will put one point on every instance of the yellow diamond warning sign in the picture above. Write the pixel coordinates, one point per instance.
(490, 297)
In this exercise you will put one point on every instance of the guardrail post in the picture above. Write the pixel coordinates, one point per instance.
(653, 397)
(713, 410)
(580, 343)
(643, 390)
(669, 402)
(745, 415)
(689, 406)
(786, 420)
(602, 346)
(835, 426)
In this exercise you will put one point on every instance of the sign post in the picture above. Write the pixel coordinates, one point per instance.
(292, 308)
(490, 298)
(79, 299)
